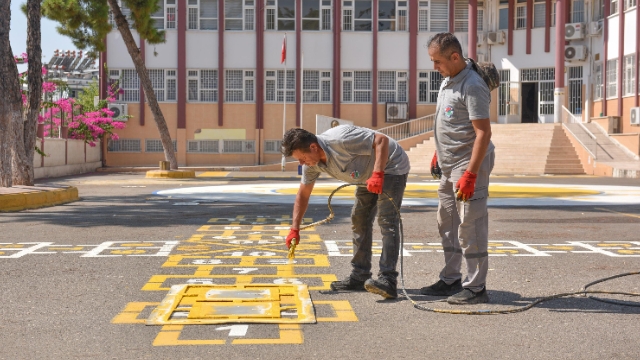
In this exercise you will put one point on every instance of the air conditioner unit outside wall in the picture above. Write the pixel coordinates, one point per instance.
(495, 37)
(396, 112)
(635, 116)
(574, 31)
(575, 53)
(119, 111)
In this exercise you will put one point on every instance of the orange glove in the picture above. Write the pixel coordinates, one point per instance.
(375, 182)
(436, 172)
(294, 234)
(466, 186)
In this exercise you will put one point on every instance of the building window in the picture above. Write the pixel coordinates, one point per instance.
(316, 86)
(239, 86)
(124, 145)
(629, 75)
(272, 146)
(628, 4)
(613, 7)
(203, 146)
(392, 86)
(357, 15)
(239, 14)
(356, 86)
(202, 15)
(480, 17)
(539, 11)
(392, 15)
(202, 85)
(126, 12)
(598, 10)
(164, 84)
(597, 78)
(128, 81)
(239, 146)
(275, 85)
(575, 89)
(461, 16)
(577, 11)
(281, 15)
(612, 79)
(155, 145)
(503, 92)
(428, 86)
(503, 15)
(521, 14)
(316, 14)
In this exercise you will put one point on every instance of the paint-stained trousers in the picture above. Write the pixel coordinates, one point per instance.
(464, 228)
(362, 215)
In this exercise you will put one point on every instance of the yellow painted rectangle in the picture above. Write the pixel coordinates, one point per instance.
(216, 134)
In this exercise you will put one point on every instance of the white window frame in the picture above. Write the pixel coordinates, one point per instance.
(356, 86)
(242, 90)
(630, 4)
(195, 18)
(393, 89)
(578, 15)
(400, 22)
(238, 146)
(597, 9)
(349, 21)
(125, 11)
(165, 17)
(612, 78)
(271, 11)
(614, 7)
(204, 93)
(129, 82)
(433, 16)
(245, 20)
(504, 90)
(598, 86)
(461, 16)
(537, 6)
(503, 5)
(429, 86)
(324, 16)
(316, 86)
(164, 86)
(274, 86)
(155, 145)
(521, 15)
(629, 75)
(124, 145)
(480, 17)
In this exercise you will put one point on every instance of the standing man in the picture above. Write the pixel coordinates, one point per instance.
(353, 154)
(465, 156)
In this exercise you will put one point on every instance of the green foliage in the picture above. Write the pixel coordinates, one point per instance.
(85, 98)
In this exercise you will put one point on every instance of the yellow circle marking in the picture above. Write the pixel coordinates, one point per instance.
(431, 191)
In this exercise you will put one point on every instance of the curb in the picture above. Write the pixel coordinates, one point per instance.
(37, 197)
(171, 174)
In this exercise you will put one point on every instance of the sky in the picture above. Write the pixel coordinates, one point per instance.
(51, 39)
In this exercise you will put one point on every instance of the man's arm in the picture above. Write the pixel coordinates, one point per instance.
(482, 128)
(381, 146)
(301, 204)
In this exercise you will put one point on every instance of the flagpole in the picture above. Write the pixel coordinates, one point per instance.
(301, 86)
(284, 110)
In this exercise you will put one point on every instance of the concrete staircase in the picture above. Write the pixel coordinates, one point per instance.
(521, 149)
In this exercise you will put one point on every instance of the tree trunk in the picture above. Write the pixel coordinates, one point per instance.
(10, 96)
(141, 69)
(25, 131)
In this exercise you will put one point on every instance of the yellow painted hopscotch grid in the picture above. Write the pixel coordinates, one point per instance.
(242, 250)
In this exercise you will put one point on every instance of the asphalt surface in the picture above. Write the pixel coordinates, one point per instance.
(66, 299)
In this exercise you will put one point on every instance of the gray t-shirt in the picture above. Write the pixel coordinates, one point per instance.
(462, 99)
(350, 156)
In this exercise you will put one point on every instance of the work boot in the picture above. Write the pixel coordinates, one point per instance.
(441, 288)
(467, 296)
(348, 284)
(383, 287)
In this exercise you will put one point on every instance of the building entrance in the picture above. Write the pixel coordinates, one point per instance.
(529, 102)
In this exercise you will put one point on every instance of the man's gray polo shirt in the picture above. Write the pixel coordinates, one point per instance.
(463, 98)
(350, 156)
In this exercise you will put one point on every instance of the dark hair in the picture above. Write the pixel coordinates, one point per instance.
(446, 43)
(297, 139)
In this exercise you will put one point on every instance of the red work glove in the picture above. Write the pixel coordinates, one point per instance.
(294, 234)
(465, 186)
(375, 182)
(436, 172)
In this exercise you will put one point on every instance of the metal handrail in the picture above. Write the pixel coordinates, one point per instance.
(410, 128)
(573, 120)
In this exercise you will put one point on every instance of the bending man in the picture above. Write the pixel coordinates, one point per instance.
(353, 154)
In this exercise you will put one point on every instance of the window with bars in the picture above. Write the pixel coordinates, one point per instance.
(129, 83)
(356, 86)
(597, 79)
(239, 14)
(316, 86)
(480, 17)
(202, 85)
(164, 84)
(429, 86)
(165, 16)
(155, 145)
(433, 16)
(392, 15)
(598, 10)
(461, 16)
(629, 75)
(628, 4)
(503, 15)
(275, 85)
(612, 78)
(280, 15)
(577, 11)
(126, 12)
(239, 146)
(272, 146)
(503, 92)
(575, 89)
(539, 11)
(545, 90)
(521, 14)
(357, 15)
(124, 145)
(537, 74)
(613, 9)
(239, 86)
(202, 14)
(316, 14)
(203, 146)
(392, 86)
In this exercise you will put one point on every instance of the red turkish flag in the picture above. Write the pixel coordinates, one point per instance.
(283, 57)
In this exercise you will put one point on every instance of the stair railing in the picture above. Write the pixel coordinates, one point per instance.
(410, 128)
(590, 143)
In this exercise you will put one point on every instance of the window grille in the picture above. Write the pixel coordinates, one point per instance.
(439, 15)
(503, 92)
(202, 14)
(275, 86)
(575, 89)
(629, 75)
(539, 11)
(238, 146)
(272, 146)
(461, 14)
(170, 11)
(577, 11)
(356, 88)
(155, 145)
(202, 85)
(597, 79)
(129, 83)
(357, 15)
(612, 78)
(316, 14)
(521, 16)
(157, 18)
(280, 15)
(392, 15)
(203, 146)
(124, 145)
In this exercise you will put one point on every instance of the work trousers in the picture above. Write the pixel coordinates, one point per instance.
(464, 227)
(362, 215)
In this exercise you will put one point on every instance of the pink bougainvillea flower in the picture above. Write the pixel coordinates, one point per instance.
(48, 87)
